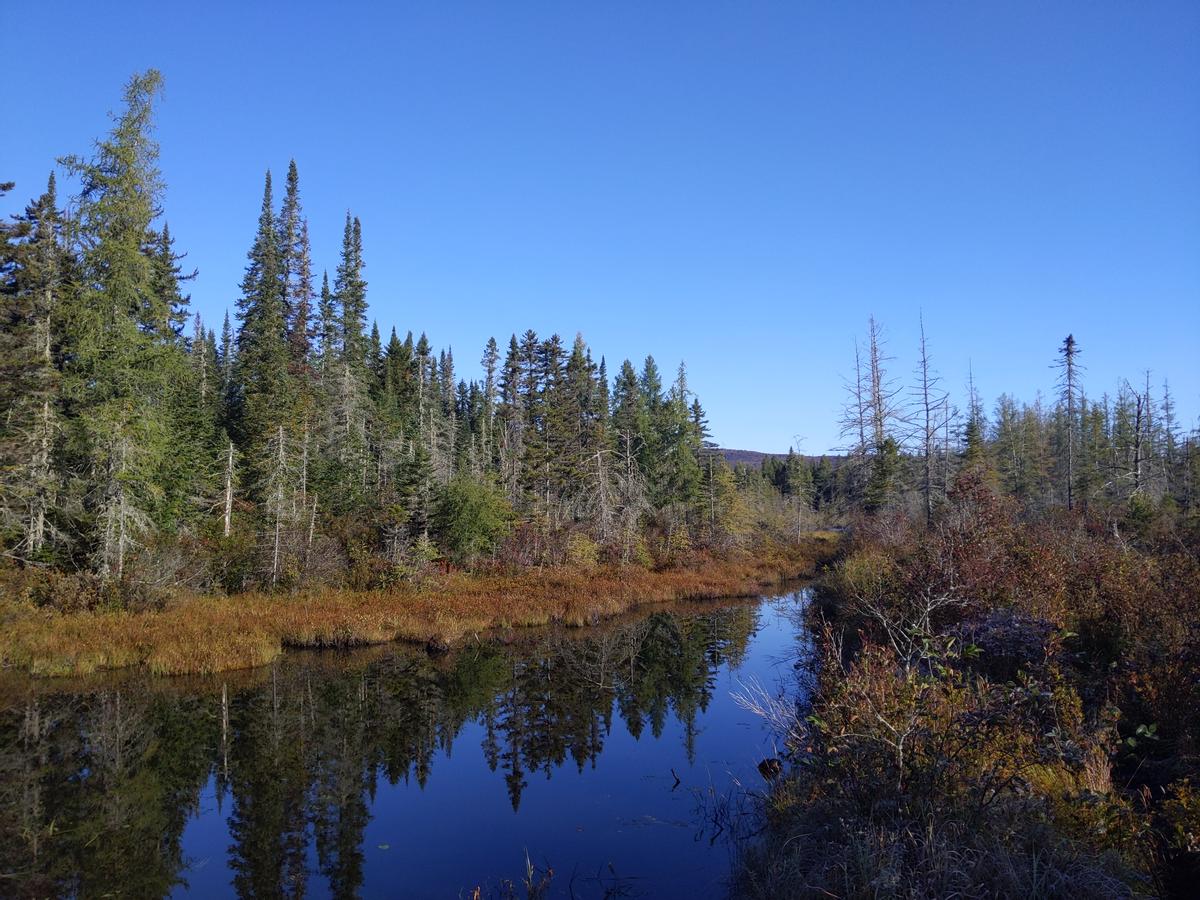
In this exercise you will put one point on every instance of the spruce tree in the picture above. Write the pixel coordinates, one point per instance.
(288, 232)
(680, 445)
(119, 358)
(650, 427)
(351, 292)
(167, 311)
(328, 345)
(601, 402)
(578, 397)
(510, 418)
(351, 398)
(262, 358)
(295, 255)
(491, 358)
(187, 471)
(546, 457)
(34, 276)
(1068, 366)
(975, 431)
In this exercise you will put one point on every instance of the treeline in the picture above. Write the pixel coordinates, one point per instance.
(299, 443)
(1123, 453)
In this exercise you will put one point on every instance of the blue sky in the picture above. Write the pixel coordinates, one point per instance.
(739, 185)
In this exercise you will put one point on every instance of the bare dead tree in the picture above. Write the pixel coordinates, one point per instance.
(855, 412)
(883, 391)
(931, 410)
(1138, 439)
(228, 493)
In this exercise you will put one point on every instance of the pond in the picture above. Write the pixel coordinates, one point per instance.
(594, 756)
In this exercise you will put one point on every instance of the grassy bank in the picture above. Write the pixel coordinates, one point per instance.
(214, 634)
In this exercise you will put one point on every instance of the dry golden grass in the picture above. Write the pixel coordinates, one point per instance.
(199, 635)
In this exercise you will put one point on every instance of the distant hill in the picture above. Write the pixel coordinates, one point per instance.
(754, 458)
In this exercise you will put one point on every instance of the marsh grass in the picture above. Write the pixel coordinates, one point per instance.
(204, 635)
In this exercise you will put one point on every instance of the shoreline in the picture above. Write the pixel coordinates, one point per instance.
(205, 635)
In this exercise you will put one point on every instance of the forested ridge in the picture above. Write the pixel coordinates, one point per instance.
(299, 443)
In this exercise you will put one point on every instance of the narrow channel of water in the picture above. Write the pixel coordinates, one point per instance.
(595, 753)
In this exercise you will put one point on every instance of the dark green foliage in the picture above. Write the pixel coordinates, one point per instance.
(312, 440)
(122, 351)
(472, 518)
(35, 272)
(262, 357)
(885, 467)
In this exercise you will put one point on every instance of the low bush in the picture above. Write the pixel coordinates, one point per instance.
(1007, 705)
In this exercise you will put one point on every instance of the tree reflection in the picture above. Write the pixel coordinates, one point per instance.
(98, 784)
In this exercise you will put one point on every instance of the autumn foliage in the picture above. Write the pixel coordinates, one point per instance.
(1006, 705)
(194, 634)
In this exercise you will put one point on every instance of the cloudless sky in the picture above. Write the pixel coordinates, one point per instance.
(738, 185)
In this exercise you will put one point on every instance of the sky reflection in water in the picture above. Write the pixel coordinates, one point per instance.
(386, 772)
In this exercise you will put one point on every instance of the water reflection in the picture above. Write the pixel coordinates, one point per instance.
(98, 781)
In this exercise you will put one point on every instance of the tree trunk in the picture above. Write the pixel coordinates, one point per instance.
(228, 489)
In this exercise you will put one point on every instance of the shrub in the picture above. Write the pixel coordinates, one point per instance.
(1017, 717)
(472, 517)
(84, 592)
(936, 781)
(582, 551)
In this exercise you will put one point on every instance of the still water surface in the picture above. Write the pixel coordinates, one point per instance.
(387, 772)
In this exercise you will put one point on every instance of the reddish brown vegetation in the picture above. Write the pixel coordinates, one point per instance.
(209, 634)
(1021, 711)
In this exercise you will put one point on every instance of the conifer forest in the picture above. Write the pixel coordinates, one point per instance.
(259, 574)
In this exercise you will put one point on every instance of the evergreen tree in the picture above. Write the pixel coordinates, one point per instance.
(34, 276)
(650, 426)
(1068, 366)
(511, 422)
(601, 403)
(168, 308)
(288, 230)
(628, 420)
(230, 396)
(824, 484)
(295, 255)
(351, 292)
(549, 428)
(680, 443)
(578, 414)
(975, 432)
(1093, 450)
(491, 358)
(329, 348)
(262, 357)
(187, 470)
(119, 358)
(881, 487)
(1012, 447)
(351, 399)
(415, 488)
